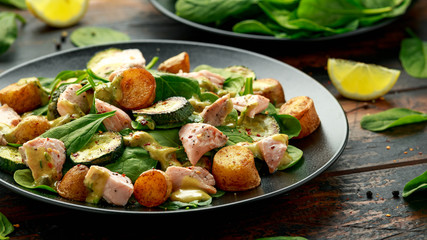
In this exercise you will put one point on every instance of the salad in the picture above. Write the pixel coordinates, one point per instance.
(121, 133)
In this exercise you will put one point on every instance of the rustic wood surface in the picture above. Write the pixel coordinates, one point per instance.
(332, 206)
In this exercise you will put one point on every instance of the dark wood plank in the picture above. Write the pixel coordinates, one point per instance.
(334, 207)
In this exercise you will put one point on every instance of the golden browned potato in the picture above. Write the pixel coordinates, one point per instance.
(271, 89)
(28, 129)
(23, 96)
(176, 63)
(152, 188)
(71, 186)
(234, 169)
(138, 88)
(302, 108)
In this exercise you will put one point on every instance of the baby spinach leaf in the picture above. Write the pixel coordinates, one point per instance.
(415, 184)
(169, 137)
(16, 3)
(413, 56)
(133, 162)
(77, 134)
(234, 135)
(169, 85)
(296, 155)
(88, 36)
(6, 227)
(8, 29)
(391, 118)
(234, 82)
(252, 26)
(289, 125)
(25, 178)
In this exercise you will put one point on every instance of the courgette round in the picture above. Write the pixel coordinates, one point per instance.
(169, 111)
(259, 127)
(10, 159)
(103, 148)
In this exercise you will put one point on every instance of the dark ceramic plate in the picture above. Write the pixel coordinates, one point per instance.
(167, 7)
(321, 148)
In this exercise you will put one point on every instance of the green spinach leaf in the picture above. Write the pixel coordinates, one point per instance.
(289, 125)
(415, 184)
(234, 135)
(88, 36)
(133, 162)
(25, 178)
(6, 227)
(77, 134)
(16, 3)
(8, 29)
(413, 56)
(391, 118)
(296, 155)
(169, 85)
(169, 137)
(174, 205)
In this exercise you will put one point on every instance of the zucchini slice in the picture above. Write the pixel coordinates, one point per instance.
(259, 127)
(103, 148)
(10, 159)
(168, 111)
(52, 112)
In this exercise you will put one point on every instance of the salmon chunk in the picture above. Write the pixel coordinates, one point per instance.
(191, 178)
(118, 189)
(214, 78)
(45, 157)
(253, 104)
(70, 103)
(199, 138)
(8, 116)
(272, 150)
(118, 122)
(216, 113)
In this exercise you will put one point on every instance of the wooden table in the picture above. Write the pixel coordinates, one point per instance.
(332, 206)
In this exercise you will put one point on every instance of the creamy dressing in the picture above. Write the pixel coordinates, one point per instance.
(189, 195)
(165, 155)
(41, 165)
(95, 181)
(71, 108)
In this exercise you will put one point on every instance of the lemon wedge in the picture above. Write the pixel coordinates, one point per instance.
(58, 13)
(361, 81)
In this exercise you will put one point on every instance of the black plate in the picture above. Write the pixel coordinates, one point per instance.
(167, 7)
(321, 148)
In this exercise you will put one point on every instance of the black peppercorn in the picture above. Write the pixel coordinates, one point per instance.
(369, 194)
(395, 194)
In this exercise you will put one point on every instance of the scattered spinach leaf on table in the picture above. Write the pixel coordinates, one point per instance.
(15, 3)
(415, 184)
(88, 36)
(8, 29)
(25, 178)
(6, 227)
(391, 118)
(413, 56)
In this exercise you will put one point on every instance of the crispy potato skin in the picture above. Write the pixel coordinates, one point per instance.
(22, 97)
(176, 63)
(30, 128)
(152, 188)
(271, 89)
(303, 109)
(234, 169)
(138, 87)
(71, 186)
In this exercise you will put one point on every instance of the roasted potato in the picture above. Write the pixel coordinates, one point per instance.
(71, 186)
(29, 128)
(176, 63)
(152, 188)
(23, 96)
(138, 88)
(234, 169)
(271, 89)
(303, 109)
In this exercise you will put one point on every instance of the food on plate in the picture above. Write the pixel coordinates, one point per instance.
(271, 89)
(72, 184)
(23, 96)
(152, 188)
(119, 131)
(302, 108)
(175, 64)
(234, 169)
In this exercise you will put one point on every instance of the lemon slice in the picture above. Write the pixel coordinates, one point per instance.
(361, 81)
(58, 13)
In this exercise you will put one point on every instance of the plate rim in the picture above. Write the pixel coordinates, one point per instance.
(206, 28)
(126, 211)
